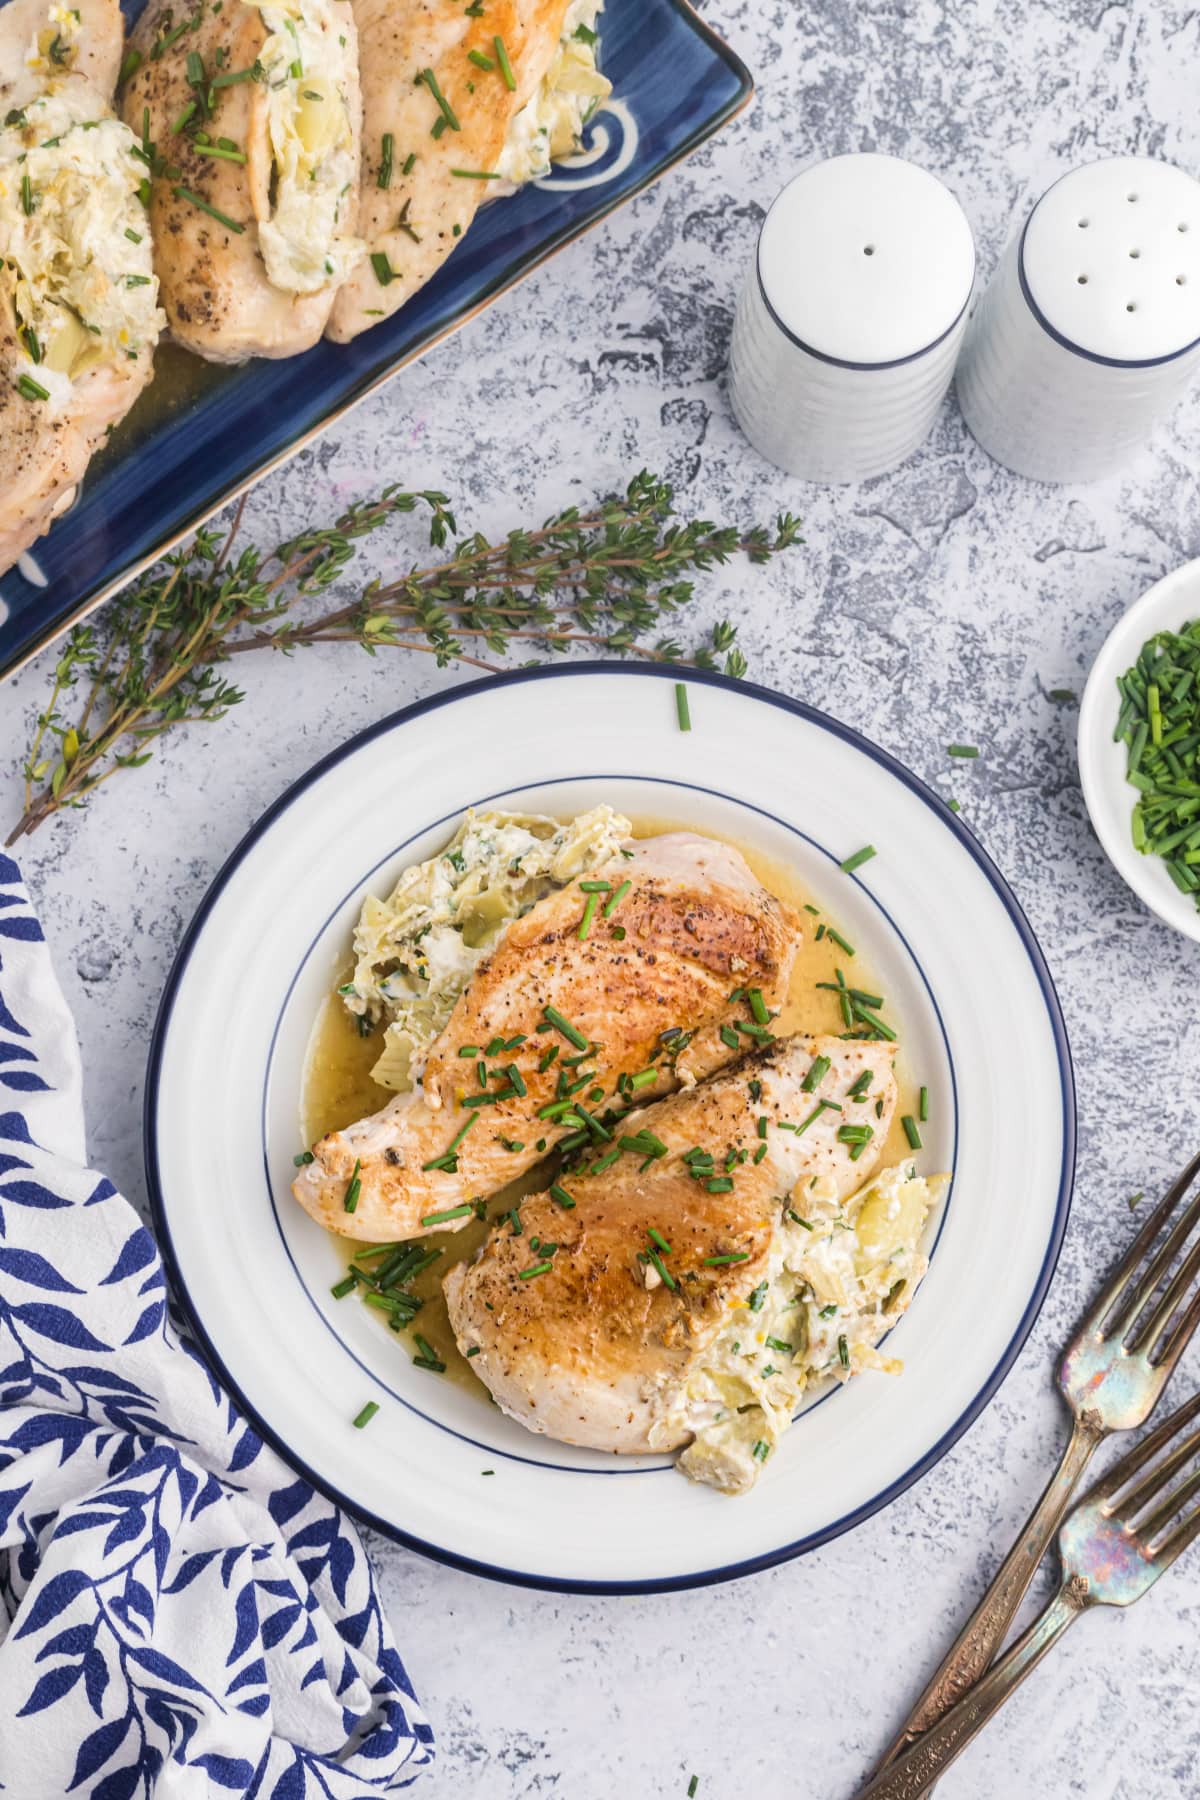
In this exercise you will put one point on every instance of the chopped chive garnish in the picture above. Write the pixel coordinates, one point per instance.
(384, 178)
(595, 887)
(821, 1066)
(814, 1115)
(469, 1050)
(26, 196)
(857, 860)
(135, 237)
(861, 1085)
(964, 750)
(130, 66)
(305, 1156)
(757, 1299)
(682, 709)
(657, 1237)
(837, 938)
(610, 906)
(784, 1348)
(384, 272)
(453, 1212)
(539, 1268)
(565, 1028)
(923, 1105)
(341, 1288)
(449, 116)
(720, 1184)
(182, 193)
(235, 76)
(561, 1197)
(911, 1132)
(220, 152)
(735, 1256)
(589, 913)
(844, 1353)
(729, 1037)
(664, 1273)
(758, 1007)
(477, 174)
(366, 1415)
(643, 1078)
(480, 60)
(510, 80)
(353, 1188)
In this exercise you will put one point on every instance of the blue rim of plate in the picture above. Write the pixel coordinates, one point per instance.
(597, 779)
(812, 716)
(183, 459)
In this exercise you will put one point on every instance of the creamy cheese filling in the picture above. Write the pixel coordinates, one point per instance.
(76, 273)
(307, 243)
(837, 1280)
(550, 125)
(52, 51)
(416, 951)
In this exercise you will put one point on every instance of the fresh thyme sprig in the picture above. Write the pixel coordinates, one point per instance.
(605, 579)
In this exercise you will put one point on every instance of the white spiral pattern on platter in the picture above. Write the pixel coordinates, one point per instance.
(607, 153)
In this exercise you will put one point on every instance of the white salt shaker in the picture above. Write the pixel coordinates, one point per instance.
(1089, 331)
(850, 320)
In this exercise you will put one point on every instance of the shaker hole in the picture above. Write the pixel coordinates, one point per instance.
(1181, 281)
(1131, 307)
(868, 249)
(1082, 280)
(1131, 198)
(1083, 225)
(1182, 226)
(1135, 254)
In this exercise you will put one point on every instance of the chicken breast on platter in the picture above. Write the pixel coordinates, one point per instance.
(683, 1292)
(42, 42)
(450, 117)
(79, 317)
(253, 120)
(570, 1023)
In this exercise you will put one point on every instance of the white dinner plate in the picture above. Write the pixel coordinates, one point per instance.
(929, 913)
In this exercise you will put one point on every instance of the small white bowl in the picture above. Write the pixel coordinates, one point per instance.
(1167, 606)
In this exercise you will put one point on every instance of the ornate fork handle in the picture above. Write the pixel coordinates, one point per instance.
(975, 1648)
(922, 1764)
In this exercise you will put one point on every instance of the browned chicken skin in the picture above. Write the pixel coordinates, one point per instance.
(651, 988)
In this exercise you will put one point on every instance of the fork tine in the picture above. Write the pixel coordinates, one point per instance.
(1135, 1460)
(1155, 1523)
(1155, 1481)
(1116, 1283)
(1174, 1347)
(1146, 1334)
(1140, 1288)
(1184, 1534)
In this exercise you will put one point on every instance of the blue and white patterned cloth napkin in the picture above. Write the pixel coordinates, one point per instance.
(179, 1614)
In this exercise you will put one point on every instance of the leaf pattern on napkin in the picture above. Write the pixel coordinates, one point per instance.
(172, 1596)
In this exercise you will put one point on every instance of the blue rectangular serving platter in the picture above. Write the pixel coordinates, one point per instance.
(201, 435)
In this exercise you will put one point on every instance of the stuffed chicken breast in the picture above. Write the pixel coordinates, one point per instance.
(683, 1290)
(651, 972)
(459, 103)
(79, 316)
(250, 119)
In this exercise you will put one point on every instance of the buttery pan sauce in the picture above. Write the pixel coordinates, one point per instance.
(338, 1088)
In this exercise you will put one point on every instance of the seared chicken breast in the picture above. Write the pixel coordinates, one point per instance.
(44, 42)
(252, 123)
(579, 1011)
(79, 317)
(596, 1313)
(441, 88)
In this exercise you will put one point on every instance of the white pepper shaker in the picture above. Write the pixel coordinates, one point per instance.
(1089, 331)
(850, 320)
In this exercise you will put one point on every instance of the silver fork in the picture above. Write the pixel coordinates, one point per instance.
(1114, 1546)
(1111, 1375)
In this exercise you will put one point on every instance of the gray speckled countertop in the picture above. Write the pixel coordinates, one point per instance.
(936, 604)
